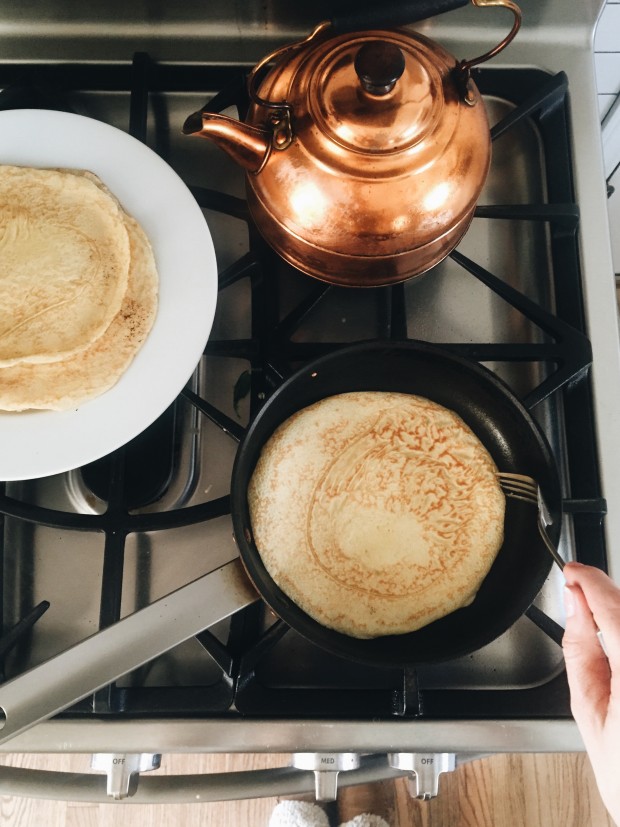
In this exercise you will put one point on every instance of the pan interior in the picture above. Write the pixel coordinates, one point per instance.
(503, 426)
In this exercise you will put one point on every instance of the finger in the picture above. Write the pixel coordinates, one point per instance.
(603, 598)
(587, 667)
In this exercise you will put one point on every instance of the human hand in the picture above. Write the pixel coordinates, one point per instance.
(592, 600)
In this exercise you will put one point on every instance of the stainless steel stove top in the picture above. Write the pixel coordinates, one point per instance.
(295, 696)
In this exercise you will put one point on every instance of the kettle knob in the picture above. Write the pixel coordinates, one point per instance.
(379, 65)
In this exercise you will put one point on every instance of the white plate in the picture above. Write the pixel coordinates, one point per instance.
(39, 443)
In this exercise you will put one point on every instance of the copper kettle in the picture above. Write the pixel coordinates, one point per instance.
(366, 150)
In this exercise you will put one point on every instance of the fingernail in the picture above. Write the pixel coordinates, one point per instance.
(569, 601)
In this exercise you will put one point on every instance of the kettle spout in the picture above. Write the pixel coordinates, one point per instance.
(247, 145)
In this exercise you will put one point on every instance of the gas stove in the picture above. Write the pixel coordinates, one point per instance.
(529, 292)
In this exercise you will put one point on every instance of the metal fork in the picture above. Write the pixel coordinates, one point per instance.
(522, 487)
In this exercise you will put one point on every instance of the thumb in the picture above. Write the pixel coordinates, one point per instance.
(587, 667)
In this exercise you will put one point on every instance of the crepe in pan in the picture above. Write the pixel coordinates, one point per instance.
(376, 512)
(68, 383)
(64, 263)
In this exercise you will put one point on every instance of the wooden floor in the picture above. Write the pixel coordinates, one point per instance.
(501, 791)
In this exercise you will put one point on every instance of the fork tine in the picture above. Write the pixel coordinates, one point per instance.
(511, 489)
(523, 497)
(518, 480)
(519, 493)
(510, 475)
(519, 486)
(522, 487)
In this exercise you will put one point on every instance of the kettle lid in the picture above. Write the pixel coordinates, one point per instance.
(378, 93)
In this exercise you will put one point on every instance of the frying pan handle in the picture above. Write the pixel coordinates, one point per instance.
(391, 14)
(103, 657)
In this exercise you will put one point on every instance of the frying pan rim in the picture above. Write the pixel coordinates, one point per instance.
(340, 644)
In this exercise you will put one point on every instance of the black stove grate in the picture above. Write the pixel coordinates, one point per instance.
(252, 680)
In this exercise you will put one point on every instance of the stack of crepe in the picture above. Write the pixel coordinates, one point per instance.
(78, 288)
(376, 513)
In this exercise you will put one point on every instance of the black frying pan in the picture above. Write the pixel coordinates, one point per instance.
(501, 423)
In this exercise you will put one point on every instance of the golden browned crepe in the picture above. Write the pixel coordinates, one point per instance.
(64, 263)
(69, 382)
(376, 513)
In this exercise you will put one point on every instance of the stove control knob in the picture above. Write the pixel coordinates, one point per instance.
(425, 769)
(123, 770)
(326, 766)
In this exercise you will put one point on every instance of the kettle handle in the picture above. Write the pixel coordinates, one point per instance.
(463, 69)
(516, 25)
(395, 13)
